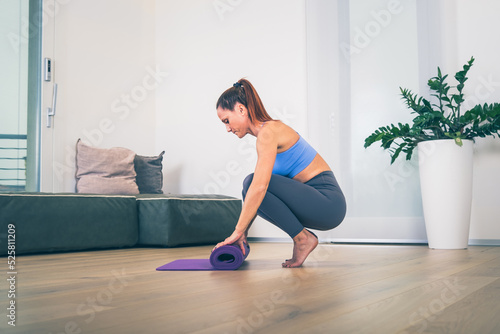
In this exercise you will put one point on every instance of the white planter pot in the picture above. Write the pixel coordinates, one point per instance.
(446, 184)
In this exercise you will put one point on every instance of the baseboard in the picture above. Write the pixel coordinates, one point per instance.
(484, 242)
(378, 241)
(472, 242)
(263, 239)
(345, 241)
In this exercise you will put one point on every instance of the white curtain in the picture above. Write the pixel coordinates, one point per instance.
(359, 53)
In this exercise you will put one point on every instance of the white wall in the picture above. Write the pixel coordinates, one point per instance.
(105, 68)
(206, 47)
(478, 35)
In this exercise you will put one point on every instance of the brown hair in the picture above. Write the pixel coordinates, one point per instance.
(244, 93)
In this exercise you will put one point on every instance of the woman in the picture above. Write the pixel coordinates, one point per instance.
(292, 186)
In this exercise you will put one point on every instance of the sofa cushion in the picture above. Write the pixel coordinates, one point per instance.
(173, 220)
(149, 173)
(105, 171)
(68, 222)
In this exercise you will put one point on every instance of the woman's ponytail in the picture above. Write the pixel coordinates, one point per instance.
(244, 93)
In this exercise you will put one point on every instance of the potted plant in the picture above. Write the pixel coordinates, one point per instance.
(443, 135)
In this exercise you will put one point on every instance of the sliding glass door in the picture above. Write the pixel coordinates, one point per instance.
(20, 45)
(359, 53)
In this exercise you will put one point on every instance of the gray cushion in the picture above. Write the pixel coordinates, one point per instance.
(68, 222)
(173, 220)
(149, 173)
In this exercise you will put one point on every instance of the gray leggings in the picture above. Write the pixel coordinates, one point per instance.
(292, 205)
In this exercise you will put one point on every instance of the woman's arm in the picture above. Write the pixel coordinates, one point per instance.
(267, 146)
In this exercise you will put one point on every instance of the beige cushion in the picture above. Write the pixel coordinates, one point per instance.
(105, 171)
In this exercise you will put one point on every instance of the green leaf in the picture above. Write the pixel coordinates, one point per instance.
(440, 119)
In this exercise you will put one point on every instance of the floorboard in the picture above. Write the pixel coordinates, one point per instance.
(340, 289)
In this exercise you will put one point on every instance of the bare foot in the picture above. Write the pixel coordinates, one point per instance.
(303, 244)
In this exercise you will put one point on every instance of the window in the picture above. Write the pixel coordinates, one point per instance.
(20, 94)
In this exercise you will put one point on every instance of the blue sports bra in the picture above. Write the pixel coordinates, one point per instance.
(294, 160)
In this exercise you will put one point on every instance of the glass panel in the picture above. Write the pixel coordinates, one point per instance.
(18, 49)
(383, 57)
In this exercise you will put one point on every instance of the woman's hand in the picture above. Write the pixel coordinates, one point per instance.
(237, 238)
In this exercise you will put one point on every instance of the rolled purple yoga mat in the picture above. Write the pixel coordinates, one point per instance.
(229, 257)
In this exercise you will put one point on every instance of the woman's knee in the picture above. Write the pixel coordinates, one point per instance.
(246, 184)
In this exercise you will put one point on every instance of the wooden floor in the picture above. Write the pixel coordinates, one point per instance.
(340, 289)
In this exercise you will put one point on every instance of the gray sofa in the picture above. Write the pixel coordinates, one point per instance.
(46, 222)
